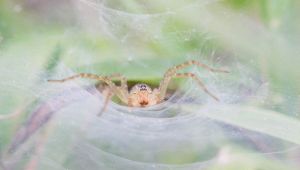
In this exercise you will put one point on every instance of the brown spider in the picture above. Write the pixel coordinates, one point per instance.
(141, 95)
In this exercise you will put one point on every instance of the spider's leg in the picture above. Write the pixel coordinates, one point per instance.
(124, 87)
(172, 71)
(80, 75)
(196, 63)
(198, 80)
(108, 95)
(106, 79)
(107, 92)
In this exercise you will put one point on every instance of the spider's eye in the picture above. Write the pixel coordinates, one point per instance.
(143, 87)
(139, 88)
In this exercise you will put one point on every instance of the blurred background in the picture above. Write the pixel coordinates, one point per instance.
(257, 40)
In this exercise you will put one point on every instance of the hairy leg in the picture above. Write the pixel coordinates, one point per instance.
(198, 80)
(107, 92)
(172, 71)
(123, 80)
(120, 92)
(196, 63)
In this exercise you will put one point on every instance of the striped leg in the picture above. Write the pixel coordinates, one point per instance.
(108, 95)
(196, 63)
(198, 80)
(120, 92)
(123, 80)
(172, 71)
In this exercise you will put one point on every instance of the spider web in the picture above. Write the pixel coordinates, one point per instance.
(134, 138)
(165, 136)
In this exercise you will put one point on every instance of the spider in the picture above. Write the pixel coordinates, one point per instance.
(141, 95)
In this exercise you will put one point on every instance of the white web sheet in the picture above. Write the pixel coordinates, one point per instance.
(166, 136)
(189, 131)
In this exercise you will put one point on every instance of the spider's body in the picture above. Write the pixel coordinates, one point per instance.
(141, 95)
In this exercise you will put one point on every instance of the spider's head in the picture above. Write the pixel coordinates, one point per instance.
(141, 95)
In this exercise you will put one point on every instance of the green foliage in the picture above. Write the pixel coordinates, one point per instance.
(261, 34)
